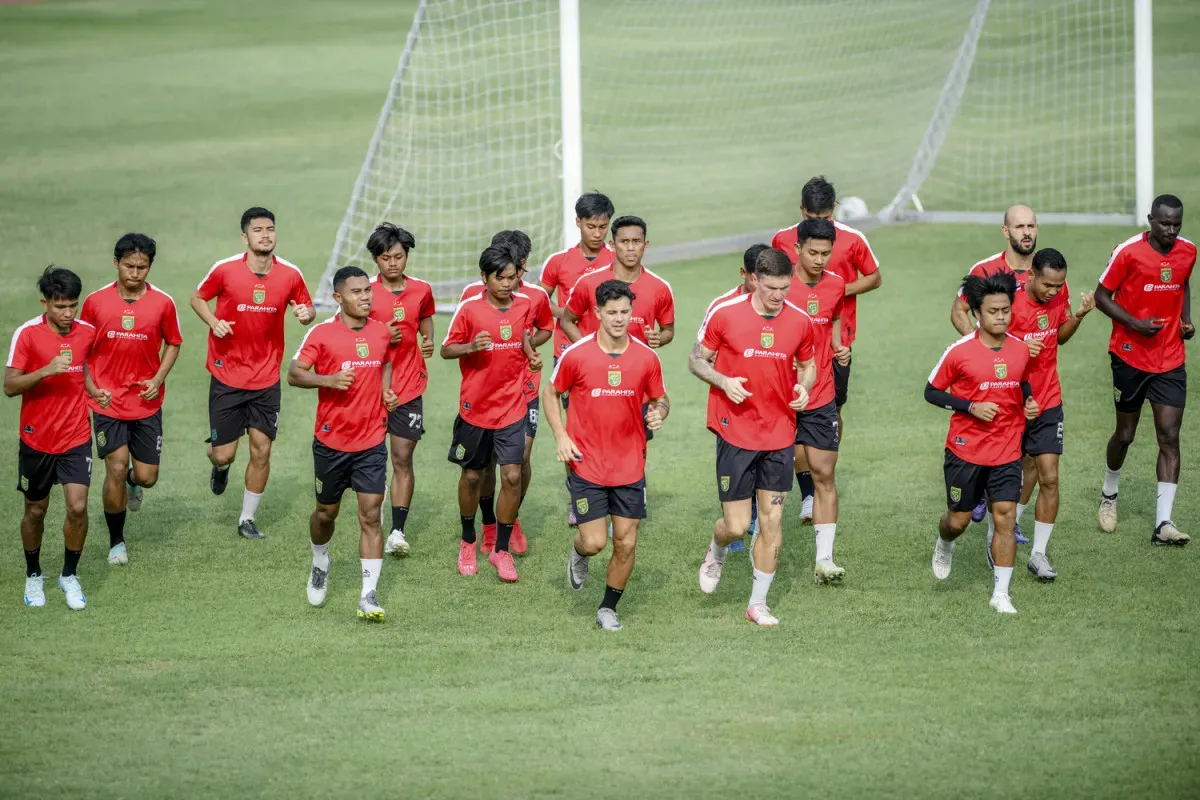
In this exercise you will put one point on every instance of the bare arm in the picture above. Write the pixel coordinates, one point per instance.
(553, 414)
(666, 333)
(663, 406)
(960, 317)
(1186, 315)
(1109, 308)
(200, 306)
(540, 337)
(1071, 324)
(864, 284)
(302, 375)
(807, 374)
(17, 382)
(700, 364)
(482, 341)
(569, 323)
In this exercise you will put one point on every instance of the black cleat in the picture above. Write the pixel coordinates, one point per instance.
(248, 530)
(218, 480)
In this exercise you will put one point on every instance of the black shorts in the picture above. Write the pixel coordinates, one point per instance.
(408, 420)
(142, 436)
(38, 471)
(231, 412)
(740, 472)
(592, 501)
(966, 483)
(1045, 433)
(531, 417)
(1132, 387)
(365, 472)
(476, 448)
(841, 382)
(819, 427)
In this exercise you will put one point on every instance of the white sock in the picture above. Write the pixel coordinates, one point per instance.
(321, 556)
(944, 546)
(762, 584)
(1111, 476)
(222, 468)
(1166, 500)
(718, 553)
(371, 568)
(825, 534)
(1003, 577)
(1020, 510)
(249, 505)
(1041, 536)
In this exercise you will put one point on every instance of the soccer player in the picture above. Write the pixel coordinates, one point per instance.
(820, 292)
(245, 352)
(563, 269)
(519, 246)
(137, 342)
(1145, 291)
(604, 441)
(749, 350)
(46, 367)
(982, 379)
(346, 359)
(490, 337)
(405, 304)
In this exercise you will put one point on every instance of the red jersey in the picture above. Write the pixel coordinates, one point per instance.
(1041, 321)
(355, 419)
(823, 304)
(54, 414)
(851, 259)
(128, 348)
(1147, 283)
(975, 372)
(249, 357)
(561, 272)
(764, 351)
(605, 420)
(653, 302)
(492, 394)
(543, 319)
(406, 308)
(732, 294)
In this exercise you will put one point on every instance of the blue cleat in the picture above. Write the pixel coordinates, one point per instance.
(1021, 538)
(980, 511)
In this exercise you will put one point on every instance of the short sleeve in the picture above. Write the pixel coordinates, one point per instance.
(213, 283)
(427, 308)
(171, 332)
(946, 371)
(460, 327)
(805, 349)
(299, 294)
(565, 372)
(310, 348)
(777, 242)
(711, 332)
(542, 318)
(549, 276)
(580, 298)
(655, 387)
(863, 258)
(1118, 267)
(18, 353)
(664, 310)
(88, 312)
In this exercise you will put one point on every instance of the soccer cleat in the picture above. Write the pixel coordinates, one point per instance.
(759, 614)
(397, 545)
(806, 511)
(1040, 567)
(73, 591)
(487, 542)
(1167, 533)
(577, 570)
(828, 572)
(987, 550)
(318, 580)
(369, 609)
(943, 558)
(572, 520)
(248, 530)
(518, 545)
(505, 568)
(1108, 512)
(610, 529)
(980, 511)
(35, 593)
(606, 618)
(466, 558)
(118, 554)
(218, 479)
(1001, 603)
(133, 497)
(1021, 538)
(710, 573)
(753, 517)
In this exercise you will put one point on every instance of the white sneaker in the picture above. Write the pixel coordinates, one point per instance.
(74, 592)
(1041, 568)
(943, 557)
(397, 545)
(1108, 513)
(806, 511)
(318, 585)
(1001, 603)
(35, 593)
(606, 618)
(118, 554)
(710, 573)
(761, 615)
(828, 572)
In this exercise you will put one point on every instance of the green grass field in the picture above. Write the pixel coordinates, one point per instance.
(199, 669)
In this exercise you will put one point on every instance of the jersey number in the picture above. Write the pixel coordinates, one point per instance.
(414, 420)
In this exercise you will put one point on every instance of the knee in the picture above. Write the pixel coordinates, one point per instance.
(325, 514)
(77, 509)
(116, 470)
(1048, 481)
(593, 541)
(471, 478)
(510, 477)
(1168, 438)
(368, 516)
(261, 456)
(1124, 435)
(624, 546)
(146, 478)
(1005, 514)
(35, 512)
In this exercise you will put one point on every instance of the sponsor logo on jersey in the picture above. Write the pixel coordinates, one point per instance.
(1043, 322)
(581, 505)
(127, 322)
(363, 349)
(614, 377)
(724, 483)
(767, 340)
(506, 332)
(260, 294)
(1164, 275)
(1001, 370)
(955, 494)
(398, 314)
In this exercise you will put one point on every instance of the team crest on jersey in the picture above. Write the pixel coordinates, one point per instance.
(1043, 322)
(398, 314)
(102, 438)
(614, 377)
(955, 494)
(813, 307)
(581, 505)
(767, 340)
(260, 294)
(127, 322)
(363, 349)
(65, 350)
(1165, 274)
(460, 452)
(724, 483)
(1001, 370)
(506, 332)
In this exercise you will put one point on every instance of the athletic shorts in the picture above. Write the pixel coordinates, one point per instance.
(1045, 433)
(476, 448)
(592, 501)
(38, 471)
(819, 427)
(841, 382)
(740, 472)
(336, 471)
(967, 483)
(231, 412)
(408, 420)
(1132, 387)
(531, 417)
(142, 436)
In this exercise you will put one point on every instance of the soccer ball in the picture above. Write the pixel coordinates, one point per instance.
(850, 208)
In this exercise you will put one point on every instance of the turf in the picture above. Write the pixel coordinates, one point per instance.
(199, 670)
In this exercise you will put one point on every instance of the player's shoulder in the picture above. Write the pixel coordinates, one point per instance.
(656, 278)
(1188, 244)
(27, 327)
(102, 292)
(534, 291)
(473, 289)
(728, 304)
(845, 230)
(645, 351)
(157, 293)
(1129, 246)
(578, 348)
(791, 308)
(1016, 344)
(836, 281)
(556, 258)
(991, 261)
(959, 345)
(590, 280)
(85, 329)
(283, 262)
(419, 284)
(225, 264)
(784, 234)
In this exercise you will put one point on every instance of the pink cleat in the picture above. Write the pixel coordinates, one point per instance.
(502, 561)
(488, 543)
(518, 544)
(466, 558)
(759, 614)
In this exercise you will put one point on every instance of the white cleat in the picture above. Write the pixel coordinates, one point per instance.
(606, 618)
(73, 591)
(397, 545)
(133, 497)
(318, 585)
(710, 573)
(35, 593)
(1108, 513)
(118, 554)
(943, 558)
(577, 571)
(1001, 603)
(761, 615)
(1039, 566)
(828, 572)
(806, 511)
(1167, 533)
(369, 608)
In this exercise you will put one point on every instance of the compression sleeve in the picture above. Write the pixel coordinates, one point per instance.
(944, 399)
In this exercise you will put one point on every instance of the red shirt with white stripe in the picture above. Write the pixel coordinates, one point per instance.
(54, 414)
(128, 349)
(559, 275)
(653, 303)
(1147, 283)
(732, 294)
(1041, 321)
(975, 372)
(355, 419)
(605, 420)
(543, 320)
(249, 357)
(823, 303)
(492, 394)
(405, 308)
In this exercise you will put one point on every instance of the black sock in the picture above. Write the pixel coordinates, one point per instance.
(33, 563)
(503, 534)
(70, 562)
(399, 517)
(487, 506)
(611, 596)
(130, 478)
(116, 527)
(520, 502)
(468, 525)
(805, 482)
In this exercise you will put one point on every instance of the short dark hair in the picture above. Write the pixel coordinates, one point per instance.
(386, 236)
(1169, 200)
(257, 212)
(772, 263)
(815, 228)
(59, 283)
(628, 222)
(613, 290)
(345, 273)
(818, 195)
(495, 259)
(135, 243)
(976, 287)
(1048, 258)
(751, 256)
(518, 243)
(594, 204)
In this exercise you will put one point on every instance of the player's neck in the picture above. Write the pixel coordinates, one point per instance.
(496, 303)
(352, 323)
(1017, 262)
(988, 340)
(588, 252)
(622, 273)
(809, 278)
(126, 294)
(1158, 246)
(259, 265)
(59, 329)
(398, 285)
(612, 344)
